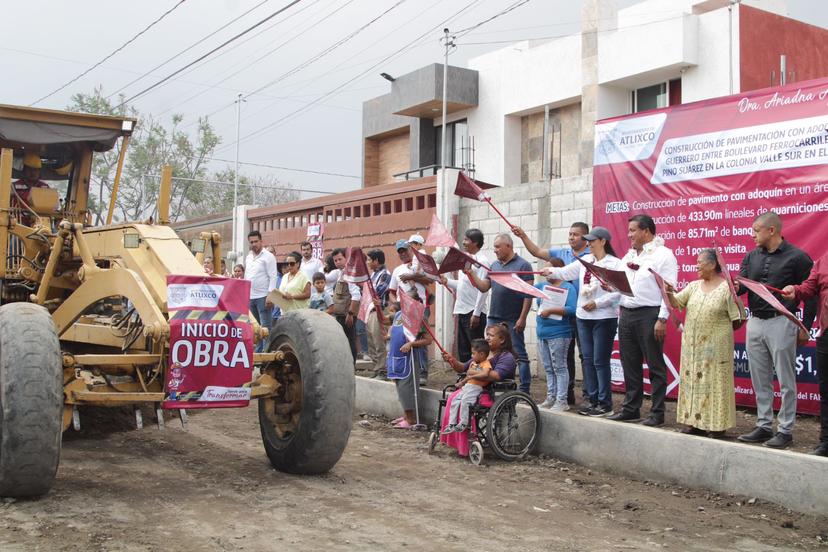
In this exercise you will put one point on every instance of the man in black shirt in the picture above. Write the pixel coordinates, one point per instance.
(771, 338)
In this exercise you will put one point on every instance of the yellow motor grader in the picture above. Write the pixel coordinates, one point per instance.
(84, 317)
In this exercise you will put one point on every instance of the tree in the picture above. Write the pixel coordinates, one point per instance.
(195, 190)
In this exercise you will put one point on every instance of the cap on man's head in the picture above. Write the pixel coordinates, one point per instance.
(416, 238)
(402, 244)
(32, 160)
(598, 233)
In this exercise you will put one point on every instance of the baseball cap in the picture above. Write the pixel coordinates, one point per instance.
(416, 238)
(402, 244)
(598, 233)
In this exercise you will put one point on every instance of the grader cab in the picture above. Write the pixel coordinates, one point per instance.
(84, 318)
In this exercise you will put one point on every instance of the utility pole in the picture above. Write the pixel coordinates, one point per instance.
(235, 253)
(448, 41)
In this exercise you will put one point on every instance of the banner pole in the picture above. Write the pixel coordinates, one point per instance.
(492, 205)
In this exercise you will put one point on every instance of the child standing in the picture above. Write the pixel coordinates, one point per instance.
(320, 298)
(554, 336)
(472, 387)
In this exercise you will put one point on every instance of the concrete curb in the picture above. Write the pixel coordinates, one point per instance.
(794, 480)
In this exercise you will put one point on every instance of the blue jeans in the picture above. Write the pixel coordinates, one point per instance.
(264, 316)
(553, 353)
(596, 338)
(362, 336)
(519, 345)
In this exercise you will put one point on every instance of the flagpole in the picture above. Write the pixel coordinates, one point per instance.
(492, 205)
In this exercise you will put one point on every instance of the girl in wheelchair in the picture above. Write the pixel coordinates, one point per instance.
(471, 386)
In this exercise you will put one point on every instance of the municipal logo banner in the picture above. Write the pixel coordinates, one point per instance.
(211, 342)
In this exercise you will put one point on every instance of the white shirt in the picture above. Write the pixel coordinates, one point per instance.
(606, 302)
(311, 267)
(330, 280)
(661, 259)
(469, 298)
(405, 287)
(354, 289)
(261, 271)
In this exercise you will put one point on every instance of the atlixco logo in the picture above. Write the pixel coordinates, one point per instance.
(626, 140)
(193, 296)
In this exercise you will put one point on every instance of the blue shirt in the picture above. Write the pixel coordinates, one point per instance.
(505, 303)
(548, 328)
(568, 257)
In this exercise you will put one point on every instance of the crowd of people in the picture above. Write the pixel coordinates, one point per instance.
(491, 322)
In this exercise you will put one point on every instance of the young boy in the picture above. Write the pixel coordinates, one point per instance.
(554, 331)
(472, 387)
(320, 299)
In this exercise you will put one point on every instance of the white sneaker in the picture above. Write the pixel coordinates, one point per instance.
(366, 358)
(560, 406)
(548, 403)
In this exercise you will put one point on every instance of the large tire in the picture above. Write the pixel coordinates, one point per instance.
(313, 437)
(31, 400)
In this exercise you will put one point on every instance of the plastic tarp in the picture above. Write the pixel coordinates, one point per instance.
(33, 133)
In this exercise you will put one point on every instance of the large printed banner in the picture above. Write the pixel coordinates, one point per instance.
(704, 171)
(211, 342)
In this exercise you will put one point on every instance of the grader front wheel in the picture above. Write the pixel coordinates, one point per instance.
(31, 399)
(306, 426)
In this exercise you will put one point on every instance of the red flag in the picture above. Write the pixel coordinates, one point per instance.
(516, 283)
(466, 187)
(456, 260)
(412, 315)
(763, 292)
(674, 317)
(365, 303)
(616, 279)
(355, 271)
(427, 263)
(438, 234)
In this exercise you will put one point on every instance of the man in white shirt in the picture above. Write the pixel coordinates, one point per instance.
(310, 265)
(642, 323)
(346, 298)
(260, 269)
(405, 275)
(470, 304)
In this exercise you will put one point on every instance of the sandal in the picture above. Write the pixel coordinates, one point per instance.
(403, 425)
(691, 430)
(398, 420)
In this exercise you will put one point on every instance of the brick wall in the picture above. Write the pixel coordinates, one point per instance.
(544, 211)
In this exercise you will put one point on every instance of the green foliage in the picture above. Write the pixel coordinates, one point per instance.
(195, 190)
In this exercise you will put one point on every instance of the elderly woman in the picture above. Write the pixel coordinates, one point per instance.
(295, 286)
(707, 401)
(504, 362)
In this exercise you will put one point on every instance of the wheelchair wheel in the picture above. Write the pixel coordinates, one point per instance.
(475, 453)
(433, 439)
(513, 425)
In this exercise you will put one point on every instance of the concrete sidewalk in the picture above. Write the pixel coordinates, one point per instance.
(794, 480)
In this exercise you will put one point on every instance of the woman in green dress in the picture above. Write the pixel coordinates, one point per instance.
(707, 399)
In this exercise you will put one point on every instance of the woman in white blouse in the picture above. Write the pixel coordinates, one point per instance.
(597, 319)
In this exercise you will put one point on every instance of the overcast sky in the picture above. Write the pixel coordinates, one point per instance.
(46, 43)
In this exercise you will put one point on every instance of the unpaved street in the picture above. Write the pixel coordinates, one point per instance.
(211, 488)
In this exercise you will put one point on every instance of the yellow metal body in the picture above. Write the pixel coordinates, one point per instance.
(105, 286)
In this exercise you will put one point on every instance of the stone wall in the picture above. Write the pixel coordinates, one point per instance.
(544, 210)
(564, 143)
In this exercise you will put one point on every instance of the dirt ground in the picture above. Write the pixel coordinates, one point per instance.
(211, 488)
(806, 429)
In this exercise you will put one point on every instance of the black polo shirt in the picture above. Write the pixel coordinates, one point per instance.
(786, 265)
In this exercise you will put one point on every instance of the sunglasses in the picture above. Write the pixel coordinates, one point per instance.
(290, 263)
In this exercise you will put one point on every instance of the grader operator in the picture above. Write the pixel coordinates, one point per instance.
(84, 317)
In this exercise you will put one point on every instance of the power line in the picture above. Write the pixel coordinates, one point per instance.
(258, 186)
(187, 49)
(124, 45)
(211, 52)
(410, 44)
(284, 168)
(508, 9)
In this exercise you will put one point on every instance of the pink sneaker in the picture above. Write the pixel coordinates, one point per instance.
(403, 425)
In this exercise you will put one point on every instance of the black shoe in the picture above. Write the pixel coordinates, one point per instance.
(758, 435)
(652, 421)
(625, 417)
(599, 411)
(821, 450)
(780, 441)
(586, 406)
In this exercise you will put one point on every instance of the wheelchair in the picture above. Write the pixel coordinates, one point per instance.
(503, 419)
